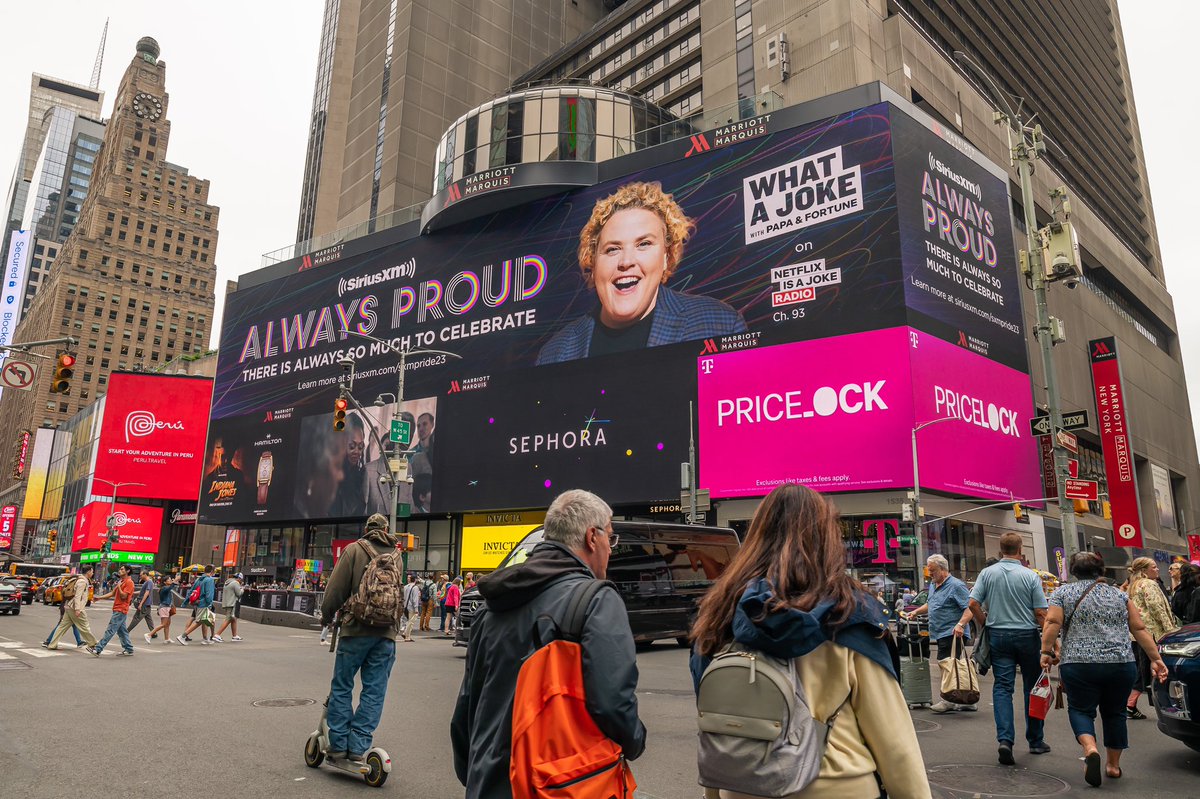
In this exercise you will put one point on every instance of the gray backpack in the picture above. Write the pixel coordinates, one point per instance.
(757, 733)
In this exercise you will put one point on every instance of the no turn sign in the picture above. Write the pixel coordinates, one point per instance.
(18, 374)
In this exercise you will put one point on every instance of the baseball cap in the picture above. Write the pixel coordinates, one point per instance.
(240, 576)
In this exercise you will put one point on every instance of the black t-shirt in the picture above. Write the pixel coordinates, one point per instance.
(606, 341)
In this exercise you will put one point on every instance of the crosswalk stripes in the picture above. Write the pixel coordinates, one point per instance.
(41, 653)
(11, 644)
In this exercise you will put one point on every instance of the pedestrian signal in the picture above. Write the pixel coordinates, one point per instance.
(1018, 511)
(339, 413)
(64, 368)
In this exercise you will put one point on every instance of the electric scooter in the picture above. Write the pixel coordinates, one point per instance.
(376, 764)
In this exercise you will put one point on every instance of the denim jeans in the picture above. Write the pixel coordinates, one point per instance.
(442, 606)
(116, 626)
(1103, 686)
(350, 728)
(1010, 649)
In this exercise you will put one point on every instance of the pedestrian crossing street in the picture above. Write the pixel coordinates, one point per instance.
(9, 650)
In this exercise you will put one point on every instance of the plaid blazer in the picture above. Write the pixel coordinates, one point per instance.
(677, 318)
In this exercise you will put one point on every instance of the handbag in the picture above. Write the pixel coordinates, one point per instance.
(1040, 696)
(982, 654)
(960, 684)
(172, 613)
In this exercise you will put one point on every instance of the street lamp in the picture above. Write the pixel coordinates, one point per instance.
(399, 454)
(111, 534)
(919, 567)
(1029, 142)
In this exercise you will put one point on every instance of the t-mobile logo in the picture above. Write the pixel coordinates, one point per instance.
(881, 535)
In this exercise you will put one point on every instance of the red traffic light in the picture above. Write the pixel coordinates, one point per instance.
(64, 369)
(66, 360)
(339, 413)
(340, 404)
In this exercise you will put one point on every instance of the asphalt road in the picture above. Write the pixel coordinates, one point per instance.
(173, 719)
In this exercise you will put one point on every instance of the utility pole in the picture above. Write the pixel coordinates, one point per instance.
(1023, 152)
(111, 535)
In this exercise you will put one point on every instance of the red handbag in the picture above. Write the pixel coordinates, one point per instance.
(1041, 697)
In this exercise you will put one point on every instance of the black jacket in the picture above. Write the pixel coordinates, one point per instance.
(502, 637)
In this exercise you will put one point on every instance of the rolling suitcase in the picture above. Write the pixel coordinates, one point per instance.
(913, 642)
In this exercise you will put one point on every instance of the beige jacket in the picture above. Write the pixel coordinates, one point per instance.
(79, 601)
(874, 732)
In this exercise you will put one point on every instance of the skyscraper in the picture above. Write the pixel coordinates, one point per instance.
(134, 280)
(1047, 57)
(393, 74)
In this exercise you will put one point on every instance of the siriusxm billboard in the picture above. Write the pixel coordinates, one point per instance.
(575, 321)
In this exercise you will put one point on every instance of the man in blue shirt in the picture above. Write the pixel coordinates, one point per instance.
(948, 598)
(1016, 610)
(204, 612)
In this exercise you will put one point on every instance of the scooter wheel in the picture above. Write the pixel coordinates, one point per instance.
(376, 777)
(313, 756)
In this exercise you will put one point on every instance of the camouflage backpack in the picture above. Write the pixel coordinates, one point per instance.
(379, 600)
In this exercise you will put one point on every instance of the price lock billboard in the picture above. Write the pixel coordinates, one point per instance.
(580, 323)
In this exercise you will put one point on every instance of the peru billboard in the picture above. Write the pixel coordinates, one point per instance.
(837, 414)
(581, 313)
(153, 434)
(139, 527)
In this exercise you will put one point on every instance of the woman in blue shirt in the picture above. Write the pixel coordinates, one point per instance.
(948, 598)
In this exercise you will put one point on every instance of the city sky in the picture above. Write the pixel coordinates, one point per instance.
(240, 77)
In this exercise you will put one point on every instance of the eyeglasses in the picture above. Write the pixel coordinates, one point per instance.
(613, 538)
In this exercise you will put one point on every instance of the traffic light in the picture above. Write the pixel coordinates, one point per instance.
(64, 368)
(53, 538)
(1106, 507)
(1081, 507)
(408, 542)
(179, 560)
(339, 413)
(1018, 511)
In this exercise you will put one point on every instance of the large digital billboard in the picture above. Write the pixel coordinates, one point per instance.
(837, 415)
(570, 319)
(153, 433)
(139, 527)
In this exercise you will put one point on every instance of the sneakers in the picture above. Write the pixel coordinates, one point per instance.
(1134, 713)
(182, 641)
(1039, 748)
(216, 639)
(154, 635)
(967, 708)
(87, 649)
(204, 642)
(125, 653)
(236, 638)
(942, 707)
(147, 637)
(94, 652)
(45, 644)
(1005, 754)
(336, 755)
(354, 757)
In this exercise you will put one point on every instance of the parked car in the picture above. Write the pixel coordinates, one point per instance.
(661, 571)
(1178, 699)
(25, 585)
(10, 599)
(52, 591)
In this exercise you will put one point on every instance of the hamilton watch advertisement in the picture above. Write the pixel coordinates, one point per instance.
(790, 236)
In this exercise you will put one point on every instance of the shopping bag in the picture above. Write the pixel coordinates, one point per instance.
(960, 684)
(1041, 697)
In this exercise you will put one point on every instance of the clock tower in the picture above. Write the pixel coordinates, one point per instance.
(135, 280)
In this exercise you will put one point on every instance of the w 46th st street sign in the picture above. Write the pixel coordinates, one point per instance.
(1072, 420)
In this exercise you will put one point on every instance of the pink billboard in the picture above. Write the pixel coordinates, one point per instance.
(837, 414)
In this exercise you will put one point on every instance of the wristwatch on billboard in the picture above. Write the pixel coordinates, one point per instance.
(266, 467)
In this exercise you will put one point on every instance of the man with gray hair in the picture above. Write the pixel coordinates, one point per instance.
(948, 598)
(529, 596)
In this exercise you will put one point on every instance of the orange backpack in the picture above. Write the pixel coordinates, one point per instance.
(557, 749)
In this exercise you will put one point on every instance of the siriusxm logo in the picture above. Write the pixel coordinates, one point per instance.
(348, 284)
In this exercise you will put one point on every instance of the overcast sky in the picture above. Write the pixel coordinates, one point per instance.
(240, 76)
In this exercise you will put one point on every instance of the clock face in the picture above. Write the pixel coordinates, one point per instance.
(147, 106)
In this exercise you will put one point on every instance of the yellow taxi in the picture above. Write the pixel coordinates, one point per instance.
(52, 595)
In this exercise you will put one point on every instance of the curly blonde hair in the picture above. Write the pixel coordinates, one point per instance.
(1138, 570)
(650, 196)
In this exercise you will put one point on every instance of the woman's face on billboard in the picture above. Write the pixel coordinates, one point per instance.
(631, 259)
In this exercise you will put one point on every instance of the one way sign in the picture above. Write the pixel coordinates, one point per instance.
(1072, 420)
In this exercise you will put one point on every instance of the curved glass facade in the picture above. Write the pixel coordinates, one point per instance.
(550, 123)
